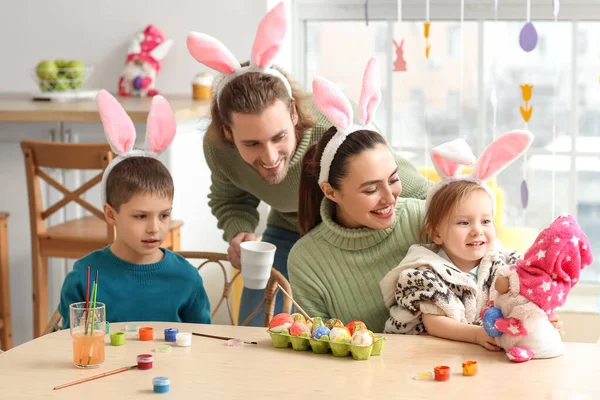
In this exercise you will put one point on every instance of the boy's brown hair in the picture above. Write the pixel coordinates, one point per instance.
(136, 175)
(443, 202)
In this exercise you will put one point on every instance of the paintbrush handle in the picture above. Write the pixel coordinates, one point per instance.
(220, 337)
(296, 304)
(91, 378)
(211, 336)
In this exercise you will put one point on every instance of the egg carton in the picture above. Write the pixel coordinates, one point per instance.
(324, 345)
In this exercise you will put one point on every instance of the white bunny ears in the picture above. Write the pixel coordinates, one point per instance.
(120, 131)
(267, 43)
(450, 158)
(336, 107)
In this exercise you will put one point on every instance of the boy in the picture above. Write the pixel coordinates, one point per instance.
(138, 280)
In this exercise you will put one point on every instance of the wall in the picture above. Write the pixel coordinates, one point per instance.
(99, 33)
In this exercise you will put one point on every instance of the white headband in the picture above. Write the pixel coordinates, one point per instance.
(332, 147)
(337, 108)
(224, 81)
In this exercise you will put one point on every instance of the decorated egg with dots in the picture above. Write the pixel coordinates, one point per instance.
(298, 328)
(362, 337)
(280, 322)
(340, 334)
(321, 331)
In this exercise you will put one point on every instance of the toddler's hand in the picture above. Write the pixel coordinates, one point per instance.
(487, 341)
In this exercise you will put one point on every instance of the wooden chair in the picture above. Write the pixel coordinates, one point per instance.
(5, 316)
(74, 238)
(268, 301)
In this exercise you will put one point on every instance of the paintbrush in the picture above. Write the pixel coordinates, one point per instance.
(221, 337)
(91, 378)
(85, 313)
(95, 292)
(296, 304)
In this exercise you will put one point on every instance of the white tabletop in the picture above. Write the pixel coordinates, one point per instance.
(211, 370)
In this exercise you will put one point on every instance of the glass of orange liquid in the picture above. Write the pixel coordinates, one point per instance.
(87, 330)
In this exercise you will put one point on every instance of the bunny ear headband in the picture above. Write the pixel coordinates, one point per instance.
(336, 107)
(120, 131)
(268, 41)
(449, 159)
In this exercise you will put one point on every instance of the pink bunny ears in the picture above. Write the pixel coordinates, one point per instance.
(450, 158)
(268, 42)
(337, 108)
(120, 131)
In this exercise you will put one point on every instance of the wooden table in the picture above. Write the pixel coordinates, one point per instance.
(19, 107)
(211, 370)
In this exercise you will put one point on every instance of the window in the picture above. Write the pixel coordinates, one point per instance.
(453, 35)
(451, 94)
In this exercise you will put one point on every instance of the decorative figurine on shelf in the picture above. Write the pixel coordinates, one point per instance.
(145, 54)
(527, 293)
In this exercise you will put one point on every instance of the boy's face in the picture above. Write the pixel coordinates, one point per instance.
(142, 224)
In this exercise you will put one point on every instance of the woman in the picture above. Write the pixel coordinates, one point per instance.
(355, 226)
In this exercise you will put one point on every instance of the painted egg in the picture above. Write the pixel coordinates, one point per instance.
(317, 322)
(340, 334)
(298, 328)
(362, 337)
(489, 321)
(355, 325)
(280, 322)
(320, 331)
(297, 317)
(333, 322)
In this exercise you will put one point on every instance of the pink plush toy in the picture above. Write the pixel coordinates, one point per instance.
(527, 293)
(120, 131)
(147, 50)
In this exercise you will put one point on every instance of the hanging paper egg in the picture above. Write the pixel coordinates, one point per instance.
(528, 37)
(524, 194)
(556, 7)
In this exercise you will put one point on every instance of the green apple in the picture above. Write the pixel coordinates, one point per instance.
(75, 69)
(46, 70)
(47, 85)
(60, 63)
(62, 84)
(76, 83)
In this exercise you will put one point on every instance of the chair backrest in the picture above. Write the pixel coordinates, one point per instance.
(206, 258)
(268, 301)
(269, 298)
(55, 324)
(38, 155)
